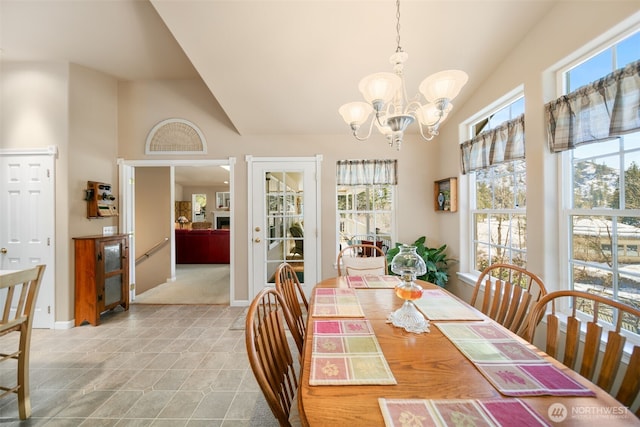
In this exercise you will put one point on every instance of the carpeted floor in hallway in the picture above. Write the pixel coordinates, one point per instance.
(194, 284)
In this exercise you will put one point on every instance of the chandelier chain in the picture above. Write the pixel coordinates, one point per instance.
(399, 48)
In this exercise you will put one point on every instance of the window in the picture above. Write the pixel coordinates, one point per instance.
(498, 200)
(365, 202)
(602, 196)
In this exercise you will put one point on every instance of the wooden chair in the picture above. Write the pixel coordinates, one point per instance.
(288, 285)
(270, 355)
(593, 308)
(20, 295)
(509, 293)
(360, 260)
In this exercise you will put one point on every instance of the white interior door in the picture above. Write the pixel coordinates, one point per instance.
(27, 221)
(284, 216)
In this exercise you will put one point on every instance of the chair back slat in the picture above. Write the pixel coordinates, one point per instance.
(6, 312)
(509, 293)
(520, 306)
(572, 343)
(505, 303)
(604, 315)
(486, 301)
(552, 335)
(512, 308)
(497, 298)
(630, 386)
(611, 360)
(591, 350)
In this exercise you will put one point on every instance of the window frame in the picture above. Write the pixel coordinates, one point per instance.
(565, 184)
(467, 240)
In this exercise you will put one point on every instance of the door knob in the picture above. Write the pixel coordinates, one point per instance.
(257, 228)
(3, 251)
(257, 240)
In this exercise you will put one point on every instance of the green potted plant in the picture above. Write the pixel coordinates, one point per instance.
(435, 258)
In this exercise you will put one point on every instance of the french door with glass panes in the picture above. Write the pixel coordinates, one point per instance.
(284, 218)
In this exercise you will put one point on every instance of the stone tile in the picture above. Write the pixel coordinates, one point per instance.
(130, 372)
(214, 405)
(182, 405)
(150, 404)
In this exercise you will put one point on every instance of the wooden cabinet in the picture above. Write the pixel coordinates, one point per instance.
(101, 276)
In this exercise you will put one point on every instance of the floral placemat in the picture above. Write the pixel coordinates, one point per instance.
(484, 342)
(336, 302)
(436, 304)
(347, 352)
(532, 379)
(512, 367)
(467, 412)
(373, 281)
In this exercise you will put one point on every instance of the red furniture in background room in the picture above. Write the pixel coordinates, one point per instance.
(202, 246)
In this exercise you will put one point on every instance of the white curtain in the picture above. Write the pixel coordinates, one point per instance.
(367, 172)
(607, 108)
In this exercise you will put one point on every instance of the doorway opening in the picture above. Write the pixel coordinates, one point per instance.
(192, 276)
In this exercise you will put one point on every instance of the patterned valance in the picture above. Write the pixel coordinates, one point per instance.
(607, 108)
(367, 172)
(498, 145)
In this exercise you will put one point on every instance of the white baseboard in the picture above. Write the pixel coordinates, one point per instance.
(68, 324)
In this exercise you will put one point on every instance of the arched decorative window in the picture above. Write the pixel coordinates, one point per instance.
(175, 136)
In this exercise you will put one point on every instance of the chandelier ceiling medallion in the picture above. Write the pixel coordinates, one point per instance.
(386, 95)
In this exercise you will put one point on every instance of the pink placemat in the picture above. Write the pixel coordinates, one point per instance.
(373, 281)
(508, 364)
(436, 304)
(532, 379)
(347, 352)
(336, 302)
(467, 412)
(484, 342)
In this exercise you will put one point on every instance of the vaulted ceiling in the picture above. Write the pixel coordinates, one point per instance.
(275, 67)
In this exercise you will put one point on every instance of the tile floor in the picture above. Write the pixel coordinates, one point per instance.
(154, 365)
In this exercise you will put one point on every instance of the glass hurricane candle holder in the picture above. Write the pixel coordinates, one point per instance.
(408, 265)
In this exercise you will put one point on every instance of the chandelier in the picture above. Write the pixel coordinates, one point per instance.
(386, 95)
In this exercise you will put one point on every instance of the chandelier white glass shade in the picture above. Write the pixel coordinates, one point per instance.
(386, 97)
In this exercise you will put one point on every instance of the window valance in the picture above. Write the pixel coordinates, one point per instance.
(367, 172)
(501, 144)
(607, 108)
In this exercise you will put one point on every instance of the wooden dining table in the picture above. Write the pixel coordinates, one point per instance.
(429, 366)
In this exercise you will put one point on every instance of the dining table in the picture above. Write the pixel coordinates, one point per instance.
(421, 376)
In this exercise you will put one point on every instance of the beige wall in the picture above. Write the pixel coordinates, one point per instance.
(92, 124)
(153, 224)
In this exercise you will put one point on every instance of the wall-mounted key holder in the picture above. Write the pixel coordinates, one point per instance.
(100, 200)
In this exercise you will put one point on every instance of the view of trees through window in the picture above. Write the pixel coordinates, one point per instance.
(604, 214)
(499, 219)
